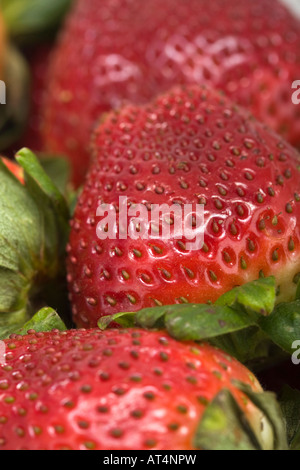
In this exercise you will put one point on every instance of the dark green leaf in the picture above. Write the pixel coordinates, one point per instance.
(290, 405)
(155, 317)
(283, 325)
(198, 322)
(295, 445)
(33, 231)
(224, 426)
(12, 321)
(241, 322)
(58, 170)
(268, 404)
(237, 310)
(46, 195)
(249, 346)
(298, 291)
(42, 182)
(27, 20)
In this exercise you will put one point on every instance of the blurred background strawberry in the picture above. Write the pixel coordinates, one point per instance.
(131, 51)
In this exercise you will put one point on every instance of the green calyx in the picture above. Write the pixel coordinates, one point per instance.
(290, 405)
(225, 426)
(45, 319)
(29, 21)
(245, 322)
(33, 233)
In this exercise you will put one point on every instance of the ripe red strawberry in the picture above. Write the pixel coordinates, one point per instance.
(189, 146)
(131, 50)
(38, 60)
(114, 390)
(14, 168)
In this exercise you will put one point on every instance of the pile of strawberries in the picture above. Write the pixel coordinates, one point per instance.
(179, 103)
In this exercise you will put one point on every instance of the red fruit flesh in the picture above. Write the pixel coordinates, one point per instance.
(189, 146)
(127, 50)
(113, 390)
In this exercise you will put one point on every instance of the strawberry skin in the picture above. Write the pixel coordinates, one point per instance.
(132, 389)
(189, 146)
(127, 50)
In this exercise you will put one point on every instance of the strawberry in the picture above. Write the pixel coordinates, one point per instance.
(38, 60)
(127, 50)
(124, 389)
(189, 146)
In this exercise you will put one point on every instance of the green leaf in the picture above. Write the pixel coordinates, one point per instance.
(34, 227)
(244, 322)
(59, 171)
(232, 323)
(224, 426)
(45, 193)
(46, 319)
(298, 291)
(290, 405)
(28, 20)
(156, 317)
(39, 181)
(268, 404)
(184, 322)
(295, 445)
(237, 310)
(14, 114)
(283, 325)
(256, 296)
(124, 319)
(10, 323)
(249, 346)
(199, 322)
